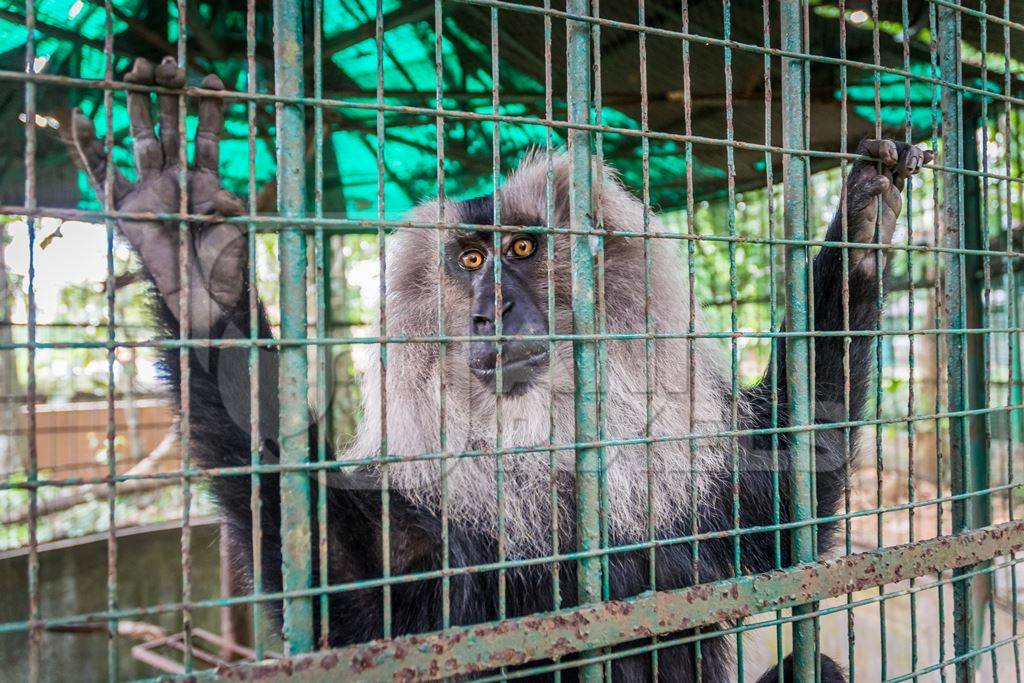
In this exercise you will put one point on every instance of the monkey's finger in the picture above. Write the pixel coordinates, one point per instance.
(148, 157)
(910, 161)
(168, 75)
(211, 126)
(880, 149)
(93, 158)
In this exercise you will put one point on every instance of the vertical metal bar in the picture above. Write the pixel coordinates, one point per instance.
(602, 317)
(976, 358)
(877, 340)
(323, 307)
(293, 379)
(385, 471)
(796, 173)
(255, 438)
(499, 389)
(588, 484)
(108, 205)
(734, 350)
(549, 238)
(911, 430)
(1013, 394)
(938, 322)
(649, 329)
(184, 356)
(773, 321)
(980, 298)
(847, 341)
(442, 325)
(597, 243)
(954, 267)
(32, 474)
(691, 328)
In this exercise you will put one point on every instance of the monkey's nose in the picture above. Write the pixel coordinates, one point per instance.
(483, 322)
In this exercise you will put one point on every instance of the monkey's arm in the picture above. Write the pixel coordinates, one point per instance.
(873, 205)
(218, 398)
(219, 378)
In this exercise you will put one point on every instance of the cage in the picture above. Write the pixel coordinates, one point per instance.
(734, 125)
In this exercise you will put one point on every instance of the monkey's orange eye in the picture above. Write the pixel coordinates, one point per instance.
(522, 247)
(471, 259)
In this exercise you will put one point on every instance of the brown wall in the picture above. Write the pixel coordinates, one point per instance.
(71, 437)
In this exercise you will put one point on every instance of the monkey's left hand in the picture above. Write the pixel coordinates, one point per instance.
(216, 250)
(870, 181)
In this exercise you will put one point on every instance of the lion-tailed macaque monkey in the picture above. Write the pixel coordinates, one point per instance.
(536, 397)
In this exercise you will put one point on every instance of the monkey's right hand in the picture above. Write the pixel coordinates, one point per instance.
(217, 251)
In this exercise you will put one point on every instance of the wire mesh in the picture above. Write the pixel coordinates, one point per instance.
(733, 122)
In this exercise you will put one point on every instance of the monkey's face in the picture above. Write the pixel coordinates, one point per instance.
(474, 261)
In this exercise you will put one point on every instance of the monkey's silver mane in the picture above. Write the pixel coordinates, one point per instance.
(544, 414)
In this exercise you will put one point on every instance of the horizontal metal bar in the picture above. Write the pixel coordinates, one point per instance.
(663, 643)
(433, 339)
(476, 649)
(434, 114)
(603, 443)
(1002, 21)
(368, 226)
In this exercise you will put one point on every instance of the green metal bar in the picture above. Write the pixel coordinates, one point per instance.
(796, 173)
(35, 634)
(466, 650)
(322, 278)
(955, 295)
(255, 438)
(588, 460)
(977, 358)
(1016, 280)
(293, 380)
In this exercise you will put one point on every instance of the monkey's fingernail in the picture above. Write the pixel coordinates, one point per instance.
(169, 75)
(141, 71)
(212, 82)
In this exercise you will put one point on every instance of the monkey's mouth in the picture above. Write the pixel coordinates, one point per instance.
(519, 368)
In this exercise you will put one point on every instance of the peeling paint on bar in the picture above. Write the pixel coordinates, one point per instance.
(294, 379)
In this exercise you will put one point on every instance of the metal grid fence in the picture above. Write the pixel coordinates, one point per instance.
(973, 257)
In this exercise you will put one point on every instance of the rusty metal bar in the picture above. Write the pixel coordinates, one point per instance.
(474, 649)
(584, 291)
(955, 301)
(293, 380)
(798, 349)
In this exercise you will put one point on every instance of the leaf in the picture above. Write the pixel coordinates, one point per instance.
(45, 242)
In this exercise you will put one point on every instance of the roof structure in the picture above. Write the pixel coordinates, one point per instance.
(70, 37)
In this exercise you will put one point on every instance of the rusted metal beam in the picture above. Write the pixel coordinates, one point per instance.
(474, 649)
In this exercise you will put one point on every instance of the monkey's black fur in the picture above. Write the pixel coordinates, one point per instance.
(219, 419)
